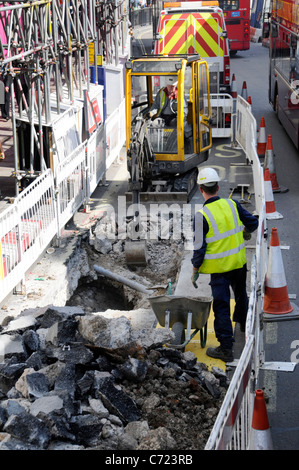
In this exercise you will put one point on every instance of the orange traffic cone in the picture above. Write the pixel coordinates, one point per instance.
(249, 100)
(271, 212)
(269, 163)
(277, 305)
(262, 141)
(244, 93)
(234, 92)
(260, 436)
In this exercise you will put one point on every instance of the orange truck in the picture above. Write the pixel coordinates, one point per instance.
(199, 27)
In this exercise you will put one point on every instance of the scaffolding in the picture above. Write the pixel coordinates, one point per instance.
(47, 48)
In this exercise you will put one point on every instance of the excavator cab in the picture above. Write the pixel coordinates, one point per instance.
(165, 144)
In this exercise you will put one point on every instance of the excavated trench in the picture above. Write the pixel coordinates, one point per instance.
(179, 396)
(99, 296)
(97, 293)
(137, 396)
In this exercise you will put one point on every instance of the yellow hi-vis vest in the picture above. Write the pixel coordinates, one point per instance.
(225, 241)
(162, 101)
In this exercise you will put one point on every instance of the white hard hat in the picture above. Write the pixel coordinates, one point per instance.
(208, 177)
(171, 81)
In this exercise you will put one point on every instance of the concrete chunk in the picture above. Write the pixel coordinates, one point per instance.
(46, 404)
(11, 345)
(32, 384)
(29, 429)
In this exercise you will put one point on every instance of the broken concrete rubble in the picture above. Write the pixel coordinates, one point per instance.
(70, 380)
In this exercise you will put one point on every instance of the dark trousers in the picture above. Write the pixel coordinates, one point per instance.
(6, 106)
(220, 285)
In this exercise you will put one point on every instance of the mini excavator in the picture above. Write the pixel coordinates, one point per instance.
(163, 155)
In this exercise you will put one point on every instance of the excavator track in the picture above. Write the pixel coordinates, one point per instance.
(187, 183)
(181, 189)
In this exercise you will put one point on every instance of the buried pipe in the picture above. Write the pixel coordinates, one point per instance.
(123, 280)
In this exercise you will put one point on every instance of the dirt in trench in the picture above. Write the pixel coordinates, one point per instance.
(164, 258)
(99, 296)
(180, 403)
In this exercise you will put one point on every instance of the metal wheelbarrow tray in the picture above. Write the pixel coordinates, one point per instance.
(180, 314)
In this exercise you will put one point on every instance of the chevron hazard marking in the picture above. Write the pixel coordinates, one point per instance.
(175, 34)
(185, 33)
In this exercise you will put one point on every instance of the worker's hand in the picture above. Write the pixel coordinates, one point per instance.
(194, 277)
(246, 235)
(149, 115)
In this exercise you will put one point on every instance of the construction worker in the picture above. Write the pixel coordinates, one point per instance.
(219, 250)
(5, 106)
(165, 107)
(165, 104)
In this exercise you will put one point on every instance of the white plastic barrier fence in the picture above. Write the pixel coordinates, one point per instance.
(66, 134)
(246, 137)
(221, 114)
(233, 424)
(96, 163)
(232, 427)
(122, 123)
(40, 211)
(70, 185)
(26, 229)
(115, 134)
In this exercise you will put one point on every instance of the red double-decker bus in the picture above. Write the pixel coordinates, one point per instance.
(237, 19)
(284, 65)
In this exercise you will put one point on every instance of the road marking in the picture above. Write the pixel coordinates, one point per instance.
(195, 346)
(232, 153)
(271, 389)
(139, 39)
(270, 382)
(271, 333)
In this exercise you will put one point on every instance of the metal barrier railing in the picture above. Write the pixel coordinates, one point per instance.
(141, 16)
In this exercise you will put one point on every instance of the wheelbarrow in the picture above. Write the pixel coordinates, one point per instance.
(182, 314)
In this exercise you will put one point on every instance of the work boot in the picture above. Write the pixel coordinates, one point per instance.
(225, 355)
